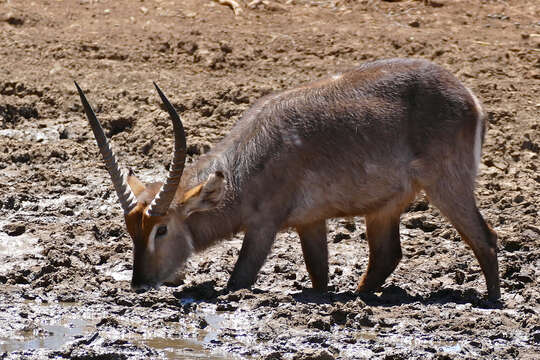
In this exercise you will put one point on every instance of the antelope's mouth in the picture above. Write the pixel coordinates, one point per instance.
(175, 279)
(141, 288)
(142, 284)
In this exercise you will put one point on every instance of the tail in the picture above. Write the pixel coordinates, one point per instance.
(480, 130)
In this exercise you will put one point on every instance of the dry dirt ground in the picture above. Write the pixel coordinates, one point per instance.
(65, 258)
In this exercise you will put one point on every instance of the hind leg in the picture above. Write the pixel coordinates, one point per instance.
(315, 250)
(384, 249)
(457, 203)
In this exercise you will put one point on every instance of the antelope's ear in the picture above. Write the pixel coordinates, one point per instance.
(205, 196)
(135, 184)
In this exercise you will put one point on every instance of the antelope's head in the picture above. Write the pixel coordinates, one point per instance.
(155, 213)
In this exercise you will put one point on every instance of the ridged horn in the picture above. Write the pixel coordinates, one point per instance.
(125, 195)
(162, 201)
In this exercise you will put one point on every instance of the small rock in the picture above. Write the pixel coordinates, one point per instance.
(459, 276)
(421, 204)
(365, 320)
(338, 316)
(145, 149)
(314, 355)
(531, 146)
(123, 302)
(226, 48)
(420, 222)
(226, 307)
(13, 19)
(316, 339)
(204, 291)
(270, 302)
(348, 224)
(21, 277)
(320, 324)
(512, 245)
(14, 229)
(524, 276)
(90, 339)
(533, 228)
(203, 323)
(414, 23)
(290, 276)
(108, 321)
(341, 236)
(172, 318)
(434, 3)
(56, 258)
(235, 296)
(66, 296)
(273, 356)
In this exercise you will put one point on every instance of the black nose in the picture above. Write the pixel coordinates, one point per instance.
(139, 284)
(141, 289)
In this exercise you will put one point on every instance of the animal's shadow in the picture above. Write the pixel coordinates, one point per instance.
(394, 296)
(390, 295)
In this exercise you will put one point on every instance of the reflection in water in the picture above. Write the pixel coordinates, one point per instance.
(47, 336)
(182, 348)
(55, 335)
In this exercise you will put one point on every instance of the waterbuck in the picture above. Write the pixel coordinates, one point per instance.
(363, 142)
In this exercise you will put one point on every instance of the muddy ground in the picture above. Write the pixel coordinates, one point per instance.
(65, 258)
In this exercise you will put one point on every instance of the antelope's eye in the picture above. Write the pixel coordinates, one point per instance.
(162, 230)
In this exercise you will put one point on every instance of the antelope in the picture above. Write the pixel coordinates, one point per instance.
(360, 143)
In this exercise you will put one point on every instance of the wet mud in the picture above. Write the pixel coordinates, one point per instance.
(65, 258)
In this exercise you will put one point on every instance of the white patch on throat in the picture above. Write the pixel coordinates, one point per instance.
(189, 243)
(337, 77)
(152, 239)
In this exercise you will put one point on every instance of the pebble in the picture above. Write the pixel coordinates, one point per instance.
(314, 355)
(14, 229)
(341, 236)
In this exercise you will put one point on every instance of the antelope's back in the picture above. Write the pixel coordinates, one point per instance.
(354, 135)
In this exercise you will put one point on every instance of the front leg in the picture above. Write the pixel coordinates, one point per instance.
(255, 249)
(315, 250)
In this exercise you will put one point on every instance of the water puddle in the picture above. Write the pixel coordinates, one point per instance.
(47, 336)
(452, 349)
(182, 349)
(68, 324)
(192, 348)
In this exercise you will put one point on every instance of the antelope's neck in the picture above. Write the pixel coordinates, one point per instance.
(209, 227)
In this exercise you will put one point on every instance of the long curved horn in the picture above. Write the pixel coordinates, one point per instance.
(125, 195)
(162, 201)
